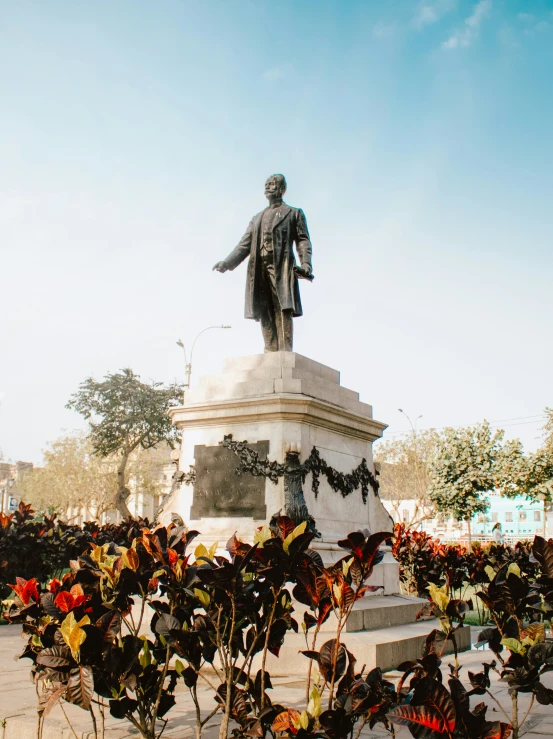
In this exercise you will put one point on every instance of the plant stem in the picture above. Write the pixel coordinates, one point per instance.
(514, 717)
(68, 721)
(194, 694)
(102, 714)
(160, 689)
(334, 663)
(143, 730)
(310, 665)
(528, 711)
(223, 731)
(266, 647)
(93, 717)
(361, 728)
(503, 711)
(206, 719)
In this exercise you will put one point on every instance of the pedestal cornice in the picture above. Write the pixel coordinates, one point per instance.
(277, 407)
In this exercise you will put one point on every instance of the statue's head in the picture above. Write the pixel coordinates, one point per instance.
(275, 186)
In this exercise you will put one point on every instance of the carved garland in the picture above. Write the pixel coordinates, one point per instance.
(343, 483)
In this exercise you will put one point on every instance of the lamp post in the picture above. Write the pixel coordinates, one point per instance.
(413, 428)
(188, 364)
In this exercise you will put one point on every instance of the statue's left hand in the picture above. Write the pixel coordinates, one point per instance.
(307, 269)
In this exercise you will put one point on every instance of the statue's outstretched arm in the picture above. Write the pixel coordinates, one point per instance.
(239, 253)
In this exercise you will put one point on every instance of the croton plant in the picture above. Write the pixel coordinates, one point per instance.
(133, 619)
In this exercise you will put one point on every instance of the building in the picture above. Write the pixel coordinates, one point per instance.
(11, 474)
(519, 519)
(145, 505)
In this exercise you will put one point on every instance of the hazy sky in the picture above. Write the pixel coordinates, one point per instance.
(135, 138)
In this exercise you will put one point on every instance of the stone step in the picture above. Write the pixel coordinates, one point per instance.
(282, 359)
(274, 373)
(336, 395)
(385, 648)
(379, 612)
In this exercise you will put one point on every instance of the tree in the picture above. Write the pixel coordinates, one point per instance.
(530, 475)
(126, 414)
(403, 466)
(540, 465)
(72, 478)
(463, 469)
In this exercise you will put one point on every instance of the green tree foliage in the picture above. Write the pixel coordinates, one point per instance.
(126, 414)
(404, 475)
(537, 469)
(76, 483)
(530, 475)
(72, 477)
(463, 470)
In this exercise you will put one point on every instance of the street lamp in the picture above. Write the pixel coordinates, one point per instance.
(189, 363)
(413, 428)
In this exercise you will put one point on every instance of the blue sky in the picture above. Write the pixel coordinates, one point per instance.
(135, 138)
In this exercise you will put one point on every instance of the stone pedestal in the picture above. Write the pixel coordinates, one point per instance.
(278, 402)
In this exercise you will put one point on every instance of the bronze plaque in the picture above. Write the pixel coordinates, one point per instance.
(219, 492)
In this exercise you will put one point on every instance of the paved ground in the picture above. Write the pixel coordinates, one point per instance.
(18, 703)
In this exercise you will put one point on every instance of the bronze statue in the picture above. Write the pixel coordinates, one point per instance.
(272, 291)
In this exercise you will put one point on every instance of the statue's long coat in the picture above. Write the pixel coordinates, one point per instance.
(288, 228)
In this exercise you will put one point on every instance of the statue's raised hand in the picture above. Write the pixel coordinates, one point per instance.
(221, 267)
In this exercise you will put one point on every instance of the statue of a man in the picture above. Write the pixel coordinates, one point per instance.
(272, 292)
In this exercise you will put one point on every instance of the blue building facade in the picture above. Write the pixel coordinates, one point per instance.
(518, 517)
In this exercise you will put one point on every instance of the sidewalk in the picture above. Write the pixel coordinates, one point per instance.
(18, 717)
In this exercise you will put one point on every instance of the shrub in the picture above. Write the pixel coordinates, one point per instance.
(42, 548)
(117, 616)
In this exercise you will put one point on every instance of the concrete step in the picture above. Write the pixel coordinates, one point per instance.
(378, 612)
(321, 390)
(282, 359)
(385, 648)
(228, 379)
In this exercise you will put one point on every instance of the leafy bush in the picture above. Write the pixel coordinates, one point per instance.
(426, 561)
(518, 607)
(42, 548)
(117, 616)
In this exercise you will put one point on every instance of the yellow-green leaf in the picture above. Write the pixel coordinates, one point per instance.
(346, 564)
(304, 720)
(336, 590)
(513, 645)
(314, 707)
(202, 551)
(145, 656)
(439, 596)
(513, 569)
(202, 596)
(490, 572)
(72, 633)
(99, 553)
(130, 558)
(295, 533)
(262, 535)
